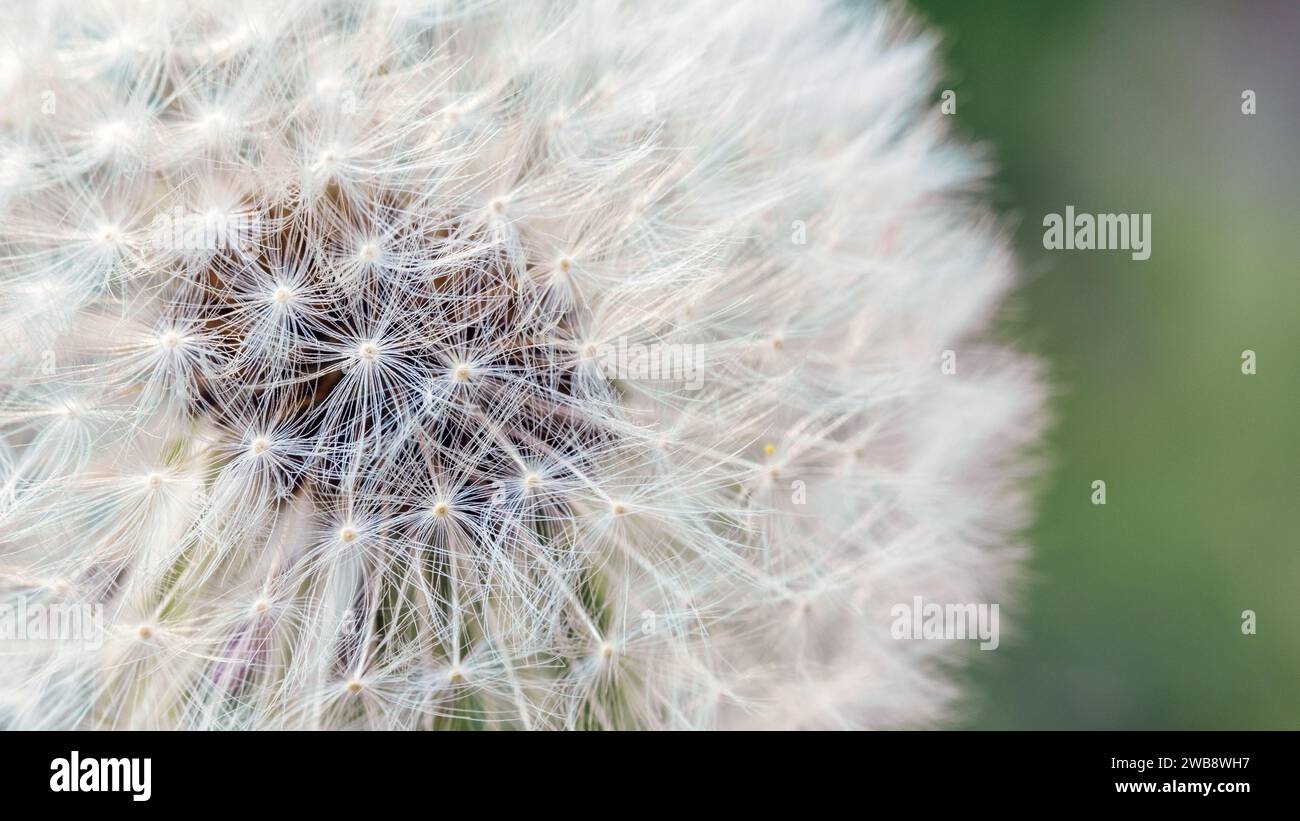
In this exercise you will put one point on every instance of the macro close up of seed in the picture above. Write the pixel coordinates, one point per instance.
(427, 364)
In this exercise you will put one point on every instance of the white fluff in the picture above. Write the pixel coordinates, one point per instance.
(366, 456)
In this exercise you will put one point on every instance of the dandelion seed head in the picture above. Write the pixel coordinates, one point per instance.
(396, 368)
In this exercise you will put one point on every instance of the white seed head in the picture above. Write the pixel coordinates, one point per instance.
(380, 411)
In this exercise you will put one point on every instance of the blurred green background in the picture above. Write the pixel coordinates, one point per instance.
(1132, 619)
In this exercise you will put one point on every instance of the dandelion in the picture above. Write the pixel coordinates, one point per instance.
(306, 308)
